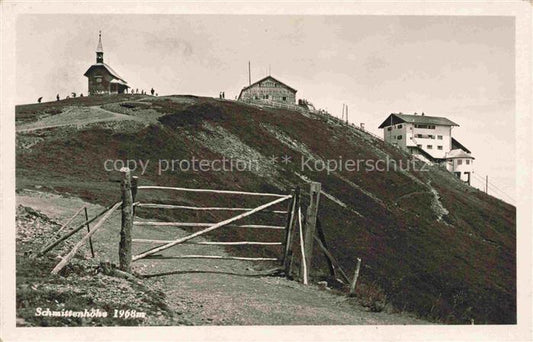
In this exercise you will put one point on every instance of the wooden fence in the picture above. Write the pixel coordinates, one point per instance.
(307, 227)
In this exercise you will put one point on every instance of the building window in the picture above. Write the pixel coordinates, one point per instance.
(419, 136)
(399, 137)
(400, 126)
(431, 136)
(389, 128)
(266, 96)
(430, 147)
(439, 137)
(98, 79)
(284, 98)
(420, 146)
(467, 162)
(439, 147)
(459, 162)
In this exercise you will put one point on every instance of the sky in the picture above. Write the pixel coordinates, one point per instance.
(459, 67)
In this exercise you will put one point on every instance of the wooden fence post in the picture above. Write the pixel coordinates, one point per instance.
(289, 233)
(88, 231)
(310, 224)
(290, 206)
(134, 185)
(124, 253)
(355, 276)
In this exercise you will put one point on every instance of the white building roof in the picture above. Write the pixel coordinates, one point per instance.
(458, 153)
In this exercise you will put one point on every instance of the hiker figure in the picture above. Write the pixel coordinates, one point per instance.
(223, 95)
(73, 94)
(137, 91)
(39, 99)
(81, 95)
(57, 97)
(152, 91)
(156, 94)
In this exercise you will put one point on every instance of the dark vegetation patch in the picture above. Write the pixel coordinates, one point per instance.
(454, 270)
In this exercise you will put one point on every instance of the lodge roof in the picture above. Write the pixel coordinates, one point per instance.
(264, 79)
(395, 118)
(457, 145)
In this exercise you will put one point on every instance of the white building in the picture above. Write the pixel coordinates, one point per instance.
(430, 138)
(461, 163)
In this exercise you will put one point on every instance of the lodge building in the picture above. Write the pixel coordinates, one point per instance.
(102, 78)
(430, 139)
(268, 90)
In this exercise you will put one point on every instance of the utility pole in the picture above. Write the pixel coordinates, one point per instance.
(346, 113)
(342, 116)
(249, 74)
(487, 184)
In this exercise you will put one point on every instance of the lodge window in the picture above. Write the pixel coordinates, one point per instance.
(431, 136)
(284, 98)
(439, 147)
(467, 162)
(389, 128)
(439, 137)
(98, 79)
(430, 147)
(419, 146)
(419, 136)
(399, 126)
(459, 162)
(399, 137)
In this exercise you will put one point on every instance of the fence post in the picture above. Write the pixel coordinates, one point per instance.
(310, 224)
(289, 234)
(88, 231)
(355, 276)
(124, 253)
(134, 184)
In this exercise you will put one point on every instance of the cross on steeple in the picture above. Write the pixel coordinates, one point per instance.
(99, 49)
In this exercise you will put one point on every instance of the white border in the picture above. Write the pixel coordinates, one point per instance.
(521, 10)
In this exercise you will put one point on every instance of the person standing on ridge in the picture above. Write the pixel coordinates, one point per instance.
(57, 97)
(152, 91)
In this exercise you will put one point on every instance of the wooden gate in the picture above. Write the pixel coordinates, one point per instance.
(129, 194)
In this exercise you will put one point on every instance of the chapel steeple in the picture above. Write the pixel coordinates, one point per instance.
(99, 49)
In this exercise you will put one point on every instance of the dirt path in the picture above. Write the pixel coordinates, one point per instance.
(76, 116)
(215, 292)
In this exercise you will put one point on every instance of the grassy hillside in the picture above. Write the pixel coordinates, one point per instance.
(433, 245)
